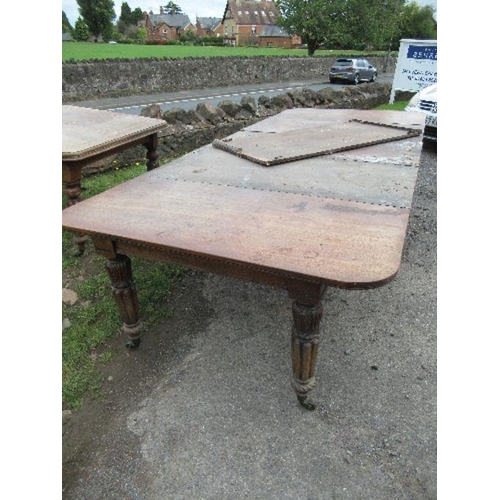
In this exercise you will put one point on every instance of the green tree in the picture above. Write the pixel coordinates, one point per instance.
(355, 24)
(120, 28)
(128, 18)
(137, 15)
(315, 21)
(172, 8)
(66, 25)
(371, 24)
(189, 37)
(417, 21)
(141, 34)
(81, 32)
(125, 14)
(98, 16)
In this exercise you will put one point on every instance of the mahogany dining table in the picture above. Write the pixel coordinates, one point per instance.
(303, 200)
(89, 135)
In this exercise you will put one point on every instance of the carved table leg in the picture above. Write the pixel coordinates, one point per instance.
(152, 154)
(307, 312)
(125, 294)
(73, 191)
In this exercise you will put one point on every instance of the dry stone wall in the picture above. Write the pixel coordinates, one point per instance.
(94, 79)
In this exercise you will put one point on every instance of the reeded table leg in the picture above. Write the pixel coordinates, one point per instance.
(119, 270)
(307, 312)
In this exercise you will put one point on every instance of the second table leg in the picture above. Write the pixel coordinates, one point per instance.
(73, 189)
(152, 155)
(307, 312)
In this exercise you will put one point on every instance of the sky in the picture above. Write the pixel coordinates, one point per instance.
(193, 8)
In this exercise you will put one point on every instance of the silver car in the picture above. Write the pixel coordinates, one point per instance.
(352, 70)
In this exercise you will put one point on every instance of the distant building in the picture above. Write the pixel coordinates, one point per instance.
(209, 26)
(66, 37)
(244, 21)
(274, 36)
(164, 26)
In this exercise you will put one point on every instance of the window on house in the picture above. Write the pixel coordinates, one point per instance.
(254, 29)
(269, 44)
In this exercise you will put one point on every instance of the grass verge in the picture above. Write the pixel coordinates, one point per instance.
(396, 106)
(93, 318)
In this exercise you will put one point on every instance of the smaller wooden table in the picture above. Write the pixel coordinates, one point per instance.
(88, 135)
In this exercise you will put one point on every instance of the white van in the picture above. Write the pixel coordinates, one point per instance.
(425, 101)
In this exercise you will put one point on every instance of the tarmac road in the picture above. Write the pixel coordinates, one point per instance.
(188, 99)
(204, 408)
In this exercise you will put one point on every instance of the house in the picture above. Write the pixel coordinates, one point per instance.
(274, 36)
(243, 21)
(209, 26)
(66, 37)
(165, 26)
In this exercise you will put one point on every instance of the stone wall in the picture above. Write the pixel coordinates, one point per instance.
(94, 79)
(188, 130)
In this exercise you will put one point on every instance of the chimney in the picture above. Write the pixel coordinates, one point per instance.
(161, 11)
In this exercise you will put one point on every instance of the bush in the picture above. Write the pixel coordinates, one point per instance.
(217, 41)
(162, 42)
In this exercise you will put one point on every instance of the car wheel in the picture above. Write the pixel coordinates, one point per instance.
(356, 79)
(374, 77)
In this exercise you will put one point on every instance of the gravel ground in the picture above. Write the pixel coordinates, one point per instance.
(204, 409)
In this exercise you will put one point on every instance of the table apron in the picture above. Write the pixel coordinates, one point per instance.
(298, 286)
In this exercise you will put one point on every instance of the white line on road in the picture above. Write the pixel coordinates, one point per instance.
(219, 96)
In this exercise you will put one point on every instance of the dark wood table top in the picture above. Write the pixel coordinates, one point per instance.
(338, 219)
(88, 132)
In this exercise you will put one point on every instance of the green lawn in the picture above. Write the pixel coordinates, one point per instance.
(80, 51)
